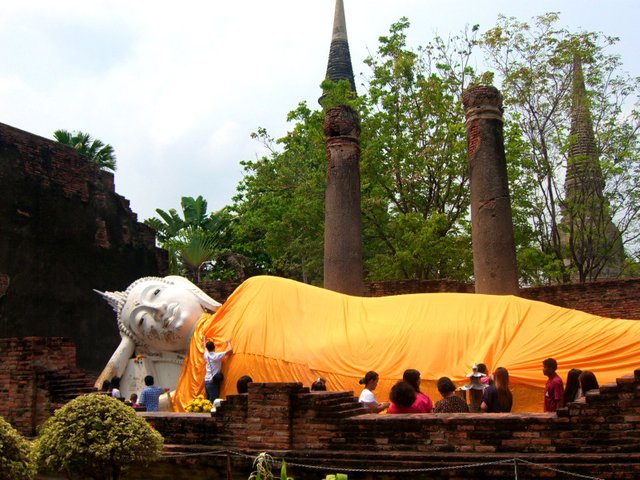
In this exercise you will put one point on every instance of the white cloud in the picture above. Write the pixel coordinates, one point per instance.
(177, 88)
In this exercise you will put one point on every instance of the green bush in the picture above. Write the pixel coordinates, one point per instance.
(15, 454)
(95, 436)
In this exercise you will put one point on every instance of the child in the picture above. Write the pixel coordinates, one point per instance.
(133, 400)
(554, 389)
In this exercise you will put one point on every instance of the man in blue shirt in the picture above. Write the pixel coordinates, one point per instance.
(151, 394)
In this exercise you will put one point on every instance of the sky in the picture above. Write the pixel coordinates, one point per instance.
(177, 88)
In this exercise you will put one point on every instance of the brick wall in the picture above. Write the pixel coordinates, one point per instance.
(63, 232)
(596, 437)
(608, 298)
(26, 401)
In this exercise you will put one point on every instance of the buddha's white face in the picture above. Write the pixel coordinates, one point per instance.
(163, 315)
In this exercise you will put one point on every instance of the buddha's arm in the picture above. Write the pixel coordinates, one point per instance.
(118, 361)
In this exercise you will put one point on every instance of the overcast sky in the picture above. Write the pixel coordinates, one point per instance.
(177, 87)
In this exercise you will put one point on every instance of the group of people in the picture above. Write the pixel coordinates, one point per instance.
(149, 398)
(558, 394)
(405, 396)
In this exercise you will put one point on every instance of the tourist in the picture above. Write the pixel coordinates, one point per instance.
(370, 382)
(149, 398)
(320, 385)
(486, 380)
(213, 362)
(106, 387)
(554, 388)
(497, 398)
(588, 382)
(403, 398)
(572, 390)
(242, 385)
(133, 400)
(115, 388)
(423, 402)
(450, 403)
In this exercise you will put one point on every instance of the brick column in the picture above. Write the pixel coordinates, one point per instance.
(342, 223)
(269, 415)
(494, 256)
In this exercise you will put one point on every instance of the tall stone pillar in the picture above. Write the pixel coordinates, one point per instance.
(494, 254)
(342, 223)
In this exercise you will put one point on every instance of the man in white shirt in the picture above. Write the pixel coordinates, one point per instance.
(213, 362)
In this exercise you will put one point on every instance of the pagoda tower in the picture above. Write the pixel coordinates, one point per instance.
(592, 241)
(343, 271)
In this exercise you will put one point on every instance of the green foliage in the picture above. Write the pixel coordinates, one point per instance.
(338, 93)
(414, 181)
(280, 201)
(573, 234)
(414, 163)
(99, 153)
(198, 242)
(15, 454)
(96, 436)
(262, 468)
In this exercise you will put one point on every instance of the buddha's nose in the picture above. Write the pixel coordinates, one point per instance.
(161, 310)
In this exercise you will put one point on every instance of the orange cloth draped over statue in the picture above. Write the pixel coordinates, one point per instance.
(282, 331)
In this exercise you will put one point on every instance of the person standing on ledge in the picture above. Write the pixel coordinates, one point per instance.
(554, 389)
(213, 362)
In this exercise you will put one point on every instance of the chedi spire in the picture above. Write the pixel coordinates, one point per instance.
(339, 64)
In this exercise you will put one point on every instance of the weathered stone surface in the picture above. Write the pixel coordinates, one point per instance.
(343, 271)
(63, 232)
(494, 256)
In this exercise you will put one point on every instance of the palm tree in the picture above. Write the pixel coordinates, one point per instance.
(195, 239)
(99, 153)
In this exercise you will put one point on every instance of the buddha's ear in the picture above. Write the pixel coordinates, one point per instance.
(205, 300)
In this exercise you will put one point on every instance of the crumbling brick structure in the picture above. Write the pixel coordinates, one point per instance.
(63, 232)
(37, 375)
(597, 437)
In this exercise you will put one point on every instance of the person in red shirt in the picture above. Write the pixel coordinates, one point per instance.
(554, 389)
(403, 397)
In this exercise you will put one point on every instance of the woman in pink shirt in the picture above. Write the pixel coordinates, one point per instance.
(422, 403)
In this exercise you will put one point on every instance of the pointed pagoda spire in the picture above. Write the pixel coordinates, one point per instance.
(583, 166)
(594, 241)
(339, 65)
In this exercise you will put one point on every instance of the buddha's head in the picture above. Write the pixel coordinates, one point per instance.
(159, 314)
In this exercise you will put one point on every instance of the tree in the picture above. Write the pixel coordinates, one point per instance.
(96, 436)
(198, 241)
(280, 201)
(414, 157)
(535, 64)
(413, 170)
(94, 149)
(15, 454)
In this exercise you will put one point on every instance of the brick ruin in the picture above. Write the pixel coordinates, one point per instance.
(598, 437)
(328, 432)
(38, 375)
(607, 298)
(65, 231)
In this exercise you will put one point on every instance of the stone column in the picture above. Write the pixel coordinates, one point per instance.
(342, 223)
(494, 254)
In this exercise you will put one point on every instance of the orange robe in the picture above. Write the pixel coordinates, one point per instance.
(282, 331)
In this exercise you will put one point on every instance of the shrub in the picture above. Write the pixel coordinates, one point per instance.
(15, 454)
(96, 436)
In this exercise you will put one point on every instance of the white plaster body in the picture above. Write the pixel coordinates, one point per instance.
(156, 318)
